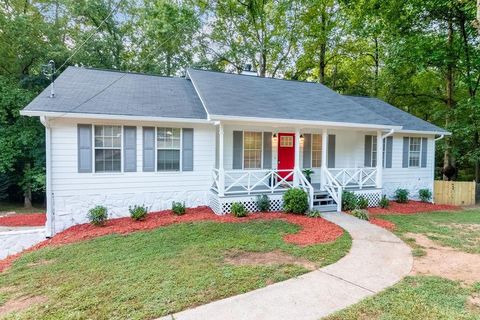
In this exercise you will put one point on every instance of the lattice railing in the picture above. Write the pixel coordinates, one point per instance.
(354, 177)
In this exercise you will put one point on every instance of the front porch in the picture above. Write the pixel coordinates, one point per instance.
(319, 150)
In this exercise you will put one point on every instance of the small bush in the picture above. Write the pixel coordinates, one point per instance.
(239, 210)
(349, 201)
(362, 203)
(178, 208)
(361, 214)
(98, 215)
(314, 214)
(425, 195)
(384, 202)
(401, 195)
(263, 203)
(295, 200)
(138, 212)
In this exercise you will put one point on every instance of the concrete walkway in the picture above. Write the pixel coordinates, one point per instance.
(377, 260)
(16, 239)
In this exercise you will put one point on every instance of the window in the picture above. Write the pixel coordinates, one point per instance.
(168, 149)
(108, 148)
(252, 150)
(286, 141)
(316, 150)
(374, 151)
(414, 151)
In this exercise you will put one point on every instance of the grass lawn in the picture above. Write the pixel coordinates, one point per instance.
(18, 208)
(145, 275)
(427, 297)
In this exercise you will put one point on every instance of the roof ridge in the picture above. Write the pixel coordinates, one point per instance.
(124, 72)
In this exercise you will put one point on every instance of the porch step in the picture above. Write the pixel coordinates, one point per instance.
(326, 208)
(322, 200)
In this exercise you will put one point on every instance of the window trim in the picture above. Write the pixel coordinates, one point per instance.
(320, 150)
(180, 169)
(419, 152)
(95, 148)
(261, 149)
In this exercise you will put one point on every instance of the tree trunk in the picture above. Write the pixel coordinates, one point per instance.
(322, 64)
(477, 160)
(449, 167)
(477, 21)
(377, 67)
(263, 64)
(27, 195)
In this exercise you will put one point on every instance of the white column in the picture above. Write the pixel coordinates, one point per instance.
(379, 158)
(297, 158)
(324, 158)
(50, 225)
(221, 169)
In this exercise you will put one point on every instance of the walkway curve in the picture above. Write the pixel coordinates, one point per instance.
(377, 260)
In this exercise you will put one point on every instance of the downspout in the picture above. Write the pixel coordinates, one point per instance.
(388, 134)
(49, 226)
(440, 138)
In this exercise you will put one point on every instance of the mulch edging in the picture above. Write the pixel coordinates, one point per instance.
(24, 220)
(313, 230)
(383, 223)
(411, 207)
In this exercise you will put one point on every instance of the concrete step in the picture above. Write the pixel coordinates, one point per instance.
(326, 208)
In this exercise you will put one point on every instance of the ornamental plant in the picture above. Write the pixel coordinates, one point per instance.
(349, 201)
(138, 212)
(295, 200)
(263, 203)
(362, 202)
(401, 195)
(425, 195)
(98, 215)
(314, 214)
(178, 208)
(361, 214)
(384, 202)
(238, 210)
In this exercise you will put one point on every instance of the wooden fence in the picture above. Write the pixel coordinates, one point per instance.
(459, 193)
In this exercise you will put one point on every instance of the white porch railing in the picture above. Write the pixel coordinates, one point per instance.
(334, 188)
(354, 177)
(238, 182)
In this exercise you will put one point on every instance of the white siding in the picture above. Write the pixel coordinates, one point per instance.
(74, 193)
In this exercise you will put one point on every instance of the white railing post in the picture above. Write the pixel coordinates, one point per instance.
(379, 159)
(296, 170)
(221, 169)
(324, 159)
(339, 197)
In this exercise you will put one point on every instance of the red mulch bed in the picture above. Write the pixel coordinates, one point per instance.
(314, 230)
(383, 223)
(24, 220)
(411, 207)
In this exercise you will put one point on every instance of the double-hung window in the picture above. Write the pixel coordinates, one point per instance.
(316, 150)
(414, 152)
(252, 150)
(168, 149)
(373, 152)
(108, 148)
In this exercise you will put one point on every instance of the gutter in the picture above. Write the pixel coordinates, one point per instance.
(49, 226)
(388, 134)
(440, 138)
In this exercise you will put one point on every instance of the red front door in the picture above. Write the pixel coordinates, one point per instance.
(286, 154)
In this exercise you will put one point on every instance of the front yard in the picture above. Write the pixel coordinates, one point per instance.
(445, 281)
(143, 275)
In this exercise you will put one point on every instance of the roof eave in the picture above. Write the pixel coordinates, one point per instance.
(445, 133)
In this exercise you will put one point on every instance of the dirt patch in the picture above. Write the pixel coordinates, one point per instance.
(20, 304)
(473, 302)
(468, 227)
(445, 262)
(41, 262)
(267, 259)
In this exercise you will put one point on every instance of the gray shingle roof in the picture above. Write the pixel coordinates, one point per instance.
(120, 93)
(248, 96)
(402, 118)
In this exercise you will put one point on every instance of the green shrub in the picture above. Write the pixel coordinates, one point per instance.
(138, 212)
(239, 210)
(314, 214)
(178, 208)
(263, 203)
(384, 202)
(295, 200)
(349, 201)
(425, 195)
(98, 215)
(362, 203)
(361, 214)
(401, 195)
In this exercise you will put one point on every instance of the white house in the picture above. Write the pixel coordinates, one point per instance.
(119, 139)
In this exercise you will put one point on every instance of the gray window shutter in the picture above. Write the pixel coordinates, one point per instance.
(307, 150)
(389, 152)
(368, 151)
(331, 151)
(148, 149)
(187, 149)
(406, 145)
(237, 150)
(267, 150)
(84, 148)
(424, 152)
(129, 149)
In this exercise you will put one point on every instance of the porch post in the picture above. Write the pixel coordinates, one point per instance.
(221, 170)
(296, 166)
(324, 158)
(379, 158)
